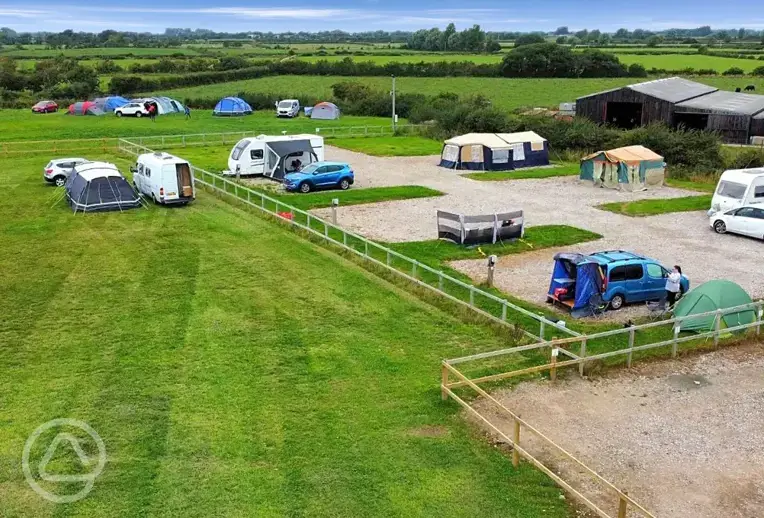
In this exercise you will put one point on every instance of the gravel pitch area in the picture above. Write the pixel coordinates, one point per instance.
(685, 437)
(680, 238)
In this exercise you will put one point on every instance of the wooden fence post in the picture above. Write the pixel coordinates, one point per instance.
(553, 370)
(541, 329)
(583, 357)
(632, 331)
(388, 257)
(443, 382)
(515, 453)
(717, 327)
(413, 269)
(675, 344)
(440, 281)
(759, 311)
(622, 506)
(472, 295)
(504, 311)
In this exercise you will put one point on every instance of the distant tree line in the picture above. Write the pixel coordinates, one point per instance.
(472, 40)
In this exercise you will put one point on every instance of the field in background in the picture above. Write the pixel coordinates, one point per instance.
(504, 93)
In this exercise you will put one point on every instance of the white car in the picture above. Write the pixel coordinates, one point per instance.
(747, 221)
(131, 110)
(288, 108)
(58, 170)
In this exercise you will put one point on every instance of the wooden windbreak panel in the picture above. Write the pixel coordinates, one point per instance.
(184, 180)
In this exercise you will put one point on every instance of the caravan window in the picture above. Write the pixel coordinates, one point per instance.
(758, 191)
(239, 149)
(731, 190)
(140, 168)
(256, 154)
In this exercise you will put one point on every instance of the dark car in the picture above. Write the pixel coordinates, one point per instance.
(45, 107)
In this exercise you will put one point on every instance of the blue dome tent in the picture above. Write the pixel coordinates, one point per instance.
(232, 106)
(114, 102)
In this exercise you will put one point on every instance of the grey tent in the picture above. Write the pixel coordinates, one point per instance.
(287, 156)
(99, 186)
(325, 111)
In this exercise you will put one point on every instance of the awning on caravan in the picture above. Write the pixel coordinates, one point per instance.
(280, 152)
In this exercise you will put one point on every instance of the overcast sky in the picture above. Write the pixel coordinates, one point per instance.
(362, 15)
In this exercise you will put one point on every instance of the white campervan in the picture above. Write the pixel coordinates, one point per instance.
(288, 108)
(164, 178)
(274, 156)
(738, 187)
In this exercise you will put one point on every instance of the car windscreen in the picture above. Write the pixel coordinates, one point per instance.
(285, 104)
(731, 190)
(310, 168)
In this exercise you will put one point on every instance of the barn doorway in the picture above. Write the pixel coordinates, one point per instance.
(696, 121)
(624, 115)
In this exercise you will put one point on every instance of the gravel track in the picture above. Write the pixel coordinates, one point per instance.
(680, 238)
(685, 437)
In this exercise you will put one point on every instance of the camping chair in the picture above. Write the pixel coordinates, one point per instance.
(658, 309)
(597, 306)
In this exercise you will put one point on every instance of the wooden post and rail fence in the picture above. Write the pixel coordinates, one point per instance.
(559, 347)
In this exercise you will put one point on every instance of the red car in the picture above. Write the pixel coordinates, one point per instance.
(45, 107)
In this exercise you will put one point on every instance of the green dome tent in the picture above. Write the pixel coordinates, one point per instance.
(710, 296)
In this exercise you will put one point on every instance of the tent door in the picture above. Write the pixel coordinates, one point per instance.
(185, 184)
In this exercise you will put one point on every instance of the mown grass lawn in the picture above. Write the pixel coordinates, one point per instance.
(390, 146)
(559, 169)
(24, 125)
(662, 206)
(232, 368)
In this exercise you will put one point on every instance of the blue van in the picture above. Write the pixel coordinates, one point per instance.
(583, 283)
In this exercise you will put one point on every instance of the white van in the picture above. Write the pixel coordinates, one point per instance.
(164, 178)
(288, 108)
(738, 187)
(274, 156)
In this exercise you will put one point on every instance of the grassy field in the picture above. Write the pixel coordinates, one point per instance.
(504, 93)
(559, 169)
(24, 125)
(663, 206)
(390, 146)
(678, 62)
(232, 368)
(413, 58)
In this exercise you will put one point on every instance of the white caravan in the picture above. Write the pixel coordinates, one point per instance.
(288, 108)
(738, 187)
(164, 178)
(274, 156)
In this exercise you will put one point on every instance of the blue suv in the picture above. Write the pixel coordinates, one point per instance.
(620, 277)
(320, 175)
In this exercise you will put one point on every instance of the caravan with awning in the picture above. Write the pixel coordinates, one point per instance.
(274, 156)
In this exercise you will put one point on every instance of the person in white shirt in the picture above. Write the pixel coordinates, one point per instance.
(672, 285)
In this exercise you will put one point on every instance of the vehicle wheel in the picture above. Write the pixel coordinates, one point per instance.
(138, 114)
(119, 114)
(617, 302)
(344, 184)
(305, 187)
(720, 227)
(60, 181)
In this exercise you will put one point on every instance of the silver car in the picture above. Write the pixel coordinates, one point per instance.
(58, 170)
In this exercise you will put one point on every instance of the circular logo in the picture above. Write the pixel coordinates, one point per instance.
(63, 438)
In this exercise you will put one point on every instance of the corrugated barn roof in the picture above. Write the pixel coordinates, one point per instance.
(671, 89)
(726, 102)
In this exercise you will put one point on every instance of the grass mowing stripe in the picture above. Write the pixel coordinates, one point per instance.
(249, 372)
(642, 208)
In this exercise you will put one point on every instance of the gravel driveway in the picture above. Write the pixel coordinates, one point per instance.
(680, 238)
(685, 437)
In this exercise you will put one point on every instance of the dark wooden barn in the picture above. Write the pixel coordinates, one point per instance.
(677, 102)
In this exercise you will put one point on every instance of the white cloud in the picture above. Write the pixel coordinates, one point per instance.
(23, 13)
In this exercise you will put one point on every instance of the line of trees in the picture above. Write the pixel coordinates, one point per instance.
(473, 39)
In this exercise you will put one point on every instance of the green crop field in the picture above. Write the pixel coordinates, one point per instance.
(413, 58)
(231, 368)
(678, 62)
(504, 93)
(24, 125)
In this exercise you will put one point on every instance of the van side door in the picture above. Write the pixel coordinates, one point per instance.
(635, 283)
(655, 281)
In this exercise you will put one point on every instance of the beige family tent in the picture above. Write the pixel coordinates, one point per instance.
(631, 168)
